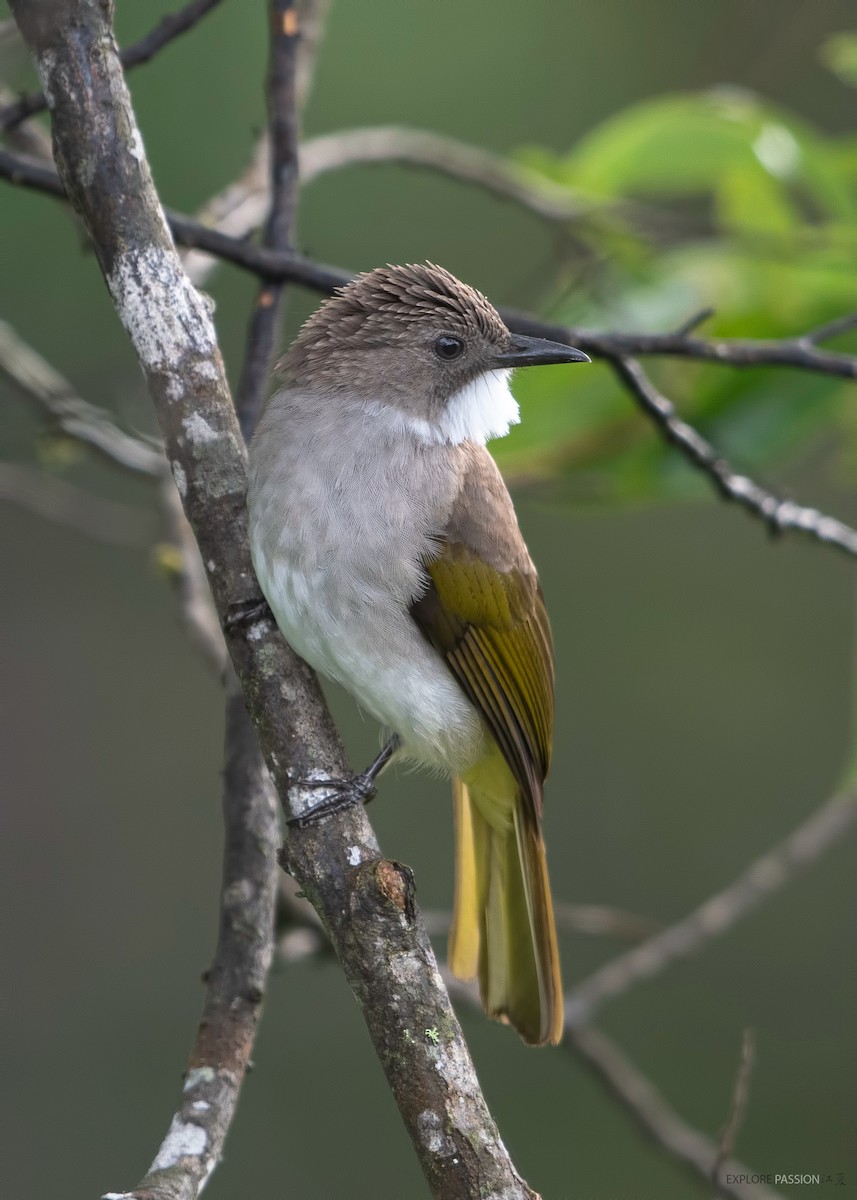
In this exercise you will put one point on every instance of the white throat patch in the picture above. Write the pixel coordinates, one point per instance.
(484, 409)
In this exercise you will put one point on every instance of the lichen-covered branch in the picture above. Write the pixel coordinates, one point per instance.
(235, 983)
(823, 829)
(365, 902)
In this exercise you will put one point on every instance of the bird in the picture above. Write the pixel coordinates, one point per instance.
(386, 545)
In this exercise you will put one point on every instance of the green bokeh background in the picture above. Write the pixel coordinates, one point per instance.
(704, 696)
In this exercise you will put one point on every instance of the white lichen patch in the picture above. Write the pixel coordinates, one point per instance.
(257, 632)
(432, 1135)
(45, 66)
(200, 1106)
(163, 314)
(180, 478)
(174, 388)
(135, 146)
(197, 1076)
(184, 1140)
(355, 856)
(198, 429)
(304, 797)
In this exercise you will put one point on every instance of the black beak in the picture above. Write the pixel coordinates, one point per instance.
(537, 352)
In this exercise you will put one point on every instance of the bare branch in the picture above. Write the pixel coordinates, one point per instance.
(593, 920)
(831, 329)
(656, 1117)
(279, 266)
(643, 1102)
(823, 829)
(64, 504)
(366, 902)
(242, 206)
(470, 164)
(195, 602)
(796, 352)
(235, 983)
(142, 51)
(279, 227)
(778, 514)
(737, 1108)
(38, 381)
(28, 136)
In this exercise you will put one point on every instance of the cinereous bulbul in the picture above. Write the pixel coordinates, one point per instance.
(387, 547)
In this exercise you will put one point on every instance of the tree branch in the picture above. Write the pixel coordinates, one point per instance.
(37, 380)
(139, 52)
(801, 353)
(658, 1120)
(366, 902)
(737, 1108)
(638, 1096)
(236, 981)
(64, 504)
(778, 514)
(720, 912)
(447, 156)
(279, 228)
(240, 208)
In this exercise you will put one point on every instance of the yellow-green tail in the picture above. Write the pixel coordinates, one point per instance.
(503, 930)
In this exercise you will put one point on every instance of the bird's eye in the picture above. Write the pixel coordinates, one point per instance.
(448, 347)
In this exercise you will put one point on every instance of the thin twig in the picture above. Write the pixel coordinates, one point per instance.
(38, 381)
(795, 352)
(195, 603)
(638, 1096)
(366, 902)
(593, 920)
(737, 1109)
(471, 164)
(235, 983)
(831, 329)
(779, 515)
(659, 1120)
(64, 504)
(280, 225)
(240, 208)
(27, 136)
(826, 826)
(139, 52)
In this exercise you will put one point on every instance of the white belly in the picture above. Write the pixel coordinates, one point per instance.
(354, 631)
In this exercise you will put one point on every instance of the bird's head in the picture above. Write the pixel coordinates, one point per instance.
(421, 350)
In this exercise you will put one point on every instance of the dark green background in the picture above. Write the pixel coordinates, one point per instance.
(704, 702)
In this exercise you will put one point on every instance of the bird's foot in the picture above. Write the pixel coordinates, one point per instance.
(345, 793)
(244, 613)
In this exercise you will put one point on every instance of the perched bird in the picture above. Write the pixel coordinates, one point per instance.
(387, 547)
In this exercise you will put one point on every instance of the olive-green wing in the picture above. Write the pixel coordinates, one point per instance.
(484, 611)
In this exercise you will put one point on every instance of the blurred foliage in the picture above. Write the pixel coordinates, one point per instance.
(717, 200)
(839, 53)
